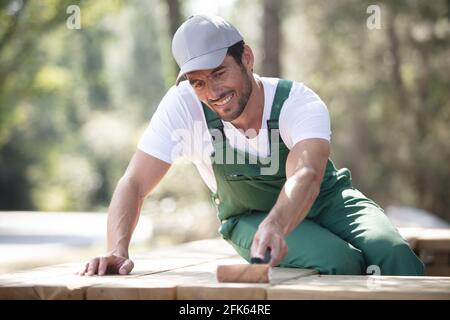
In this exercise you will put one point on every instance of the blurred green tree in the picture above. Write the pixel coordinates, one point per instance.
(22, 24)
(387, 91)
(73, 103)
(51, 77)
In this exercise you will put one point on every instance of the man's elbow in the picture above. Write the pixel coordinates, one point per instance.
(312, 176)
(131, 184)
(304, 176)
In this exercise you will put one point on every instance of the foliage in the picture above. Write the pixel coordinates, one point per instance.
(387, 91)
(73, 103)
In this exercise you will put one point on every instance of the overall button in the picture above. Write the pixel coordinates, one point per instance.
(217, 201)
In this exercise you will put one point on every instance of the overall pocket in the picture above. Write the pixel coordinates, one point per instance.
(227, 226)
(236, 177)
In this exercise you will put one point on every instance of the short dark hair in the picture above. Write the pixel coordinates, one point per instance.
(236, 51)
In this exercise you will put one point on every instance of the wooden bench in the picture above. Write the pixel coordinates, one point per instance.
(188, 272)
(432, 246)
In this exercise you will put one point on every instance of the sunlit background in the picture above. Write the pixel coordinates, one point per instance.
(75, 101)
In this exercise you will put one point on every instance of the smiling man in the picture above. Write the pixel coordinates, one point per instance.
(233, 125)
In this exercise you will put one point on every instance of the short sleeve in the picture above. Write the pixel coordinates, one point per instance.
(304, 116)
(161, 138)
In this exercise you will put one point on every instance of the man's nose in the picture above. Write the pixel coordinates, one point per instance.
(213, 91)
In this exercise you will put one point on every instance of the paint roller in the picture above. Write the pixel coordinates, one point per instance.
(258, 271)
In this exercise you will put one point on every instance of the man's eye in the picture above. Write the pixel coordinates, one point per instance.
(198, 85)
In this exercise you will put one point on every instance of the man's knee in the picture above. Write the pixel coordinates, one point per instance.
(349, 262)
(393, 256)
(405, 255)
(343, 259)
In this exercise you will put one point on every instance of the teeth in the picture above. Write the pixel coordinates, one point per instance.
(224, 101)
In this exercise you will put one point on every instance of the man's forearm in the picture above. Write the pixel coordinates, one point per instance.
(295, 200)
(123, 215)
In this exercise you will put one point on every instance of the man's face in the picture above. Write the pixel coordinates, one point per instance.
(225, 89)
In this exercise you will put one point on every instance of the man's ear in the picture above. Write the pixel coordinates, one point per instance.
(248, 59)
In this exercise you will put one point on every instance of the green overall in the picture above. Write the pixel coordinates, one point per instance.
(344, 231)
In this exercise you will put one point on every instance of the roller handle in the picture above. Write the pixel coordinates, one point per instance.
(256, 260)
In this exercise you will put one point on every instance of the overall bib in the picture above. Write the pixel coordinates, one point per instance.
(344, 231)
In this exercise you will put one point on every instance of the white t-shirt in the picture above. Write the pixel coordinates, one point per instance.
(178, 126)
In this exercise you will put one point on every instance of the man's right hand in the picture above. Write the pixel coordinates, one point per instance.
(109, 264)
(143, 173)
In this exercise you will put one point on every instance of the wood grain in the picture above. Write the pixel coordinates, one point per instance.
(362, 287)
(189, 272)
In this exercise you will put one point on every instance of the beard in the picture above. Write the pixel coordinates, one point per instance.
(242, 99)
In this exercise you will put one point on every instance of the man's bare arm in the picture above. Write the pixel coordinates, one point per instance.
(305, 168)
(144, 172)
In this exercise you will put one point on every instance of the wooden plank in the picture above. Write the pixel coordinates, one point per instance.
(63, 284)
(410, 234)
(133, 289)
(17, 291)
(441, 258)
(422, 238)
(193, 282)
(188, 254)
(439, 264)
(53, 282)
(362, 287)
(203, 249)
(438, 271)
(433, 246)
(152, 284)
(67, 287)
(280, 275)
(39, 273)
(158, 285)
(156, 264)
(23, 284)
(435, 239)
(59, 282)
(201, 284)
(207, 287)
(229, 291)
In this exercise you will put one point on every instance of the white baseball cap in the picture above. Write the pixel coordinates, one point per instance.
(202, 42)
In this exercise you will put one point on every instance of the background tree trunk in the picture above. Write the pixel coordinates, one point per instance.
(174, 22)
(272, 38)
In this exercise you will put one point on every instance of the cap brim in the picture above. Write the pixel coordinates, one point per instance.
(207, 61)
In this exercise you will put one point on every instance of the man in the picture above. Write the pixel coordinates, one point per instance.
(262, 146)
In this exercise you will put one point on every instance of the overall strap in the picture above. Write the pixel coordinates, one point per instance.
(212, 119)
(281, 94)
(214, 123)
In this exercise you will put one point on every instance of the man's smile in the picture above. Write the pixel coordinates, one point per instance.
(224, 101)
